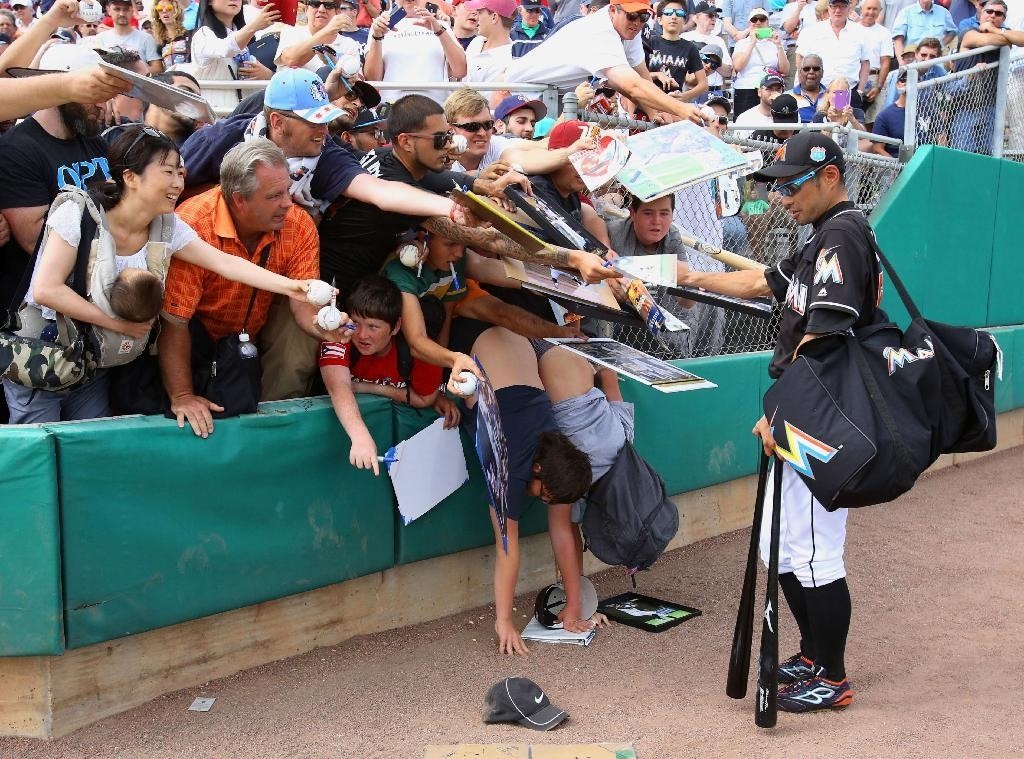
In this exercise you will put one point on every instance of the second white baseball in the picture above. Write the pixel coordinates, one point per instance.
(319, 293)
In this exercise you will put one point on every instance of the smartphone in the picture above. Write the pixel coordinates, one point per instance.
(840, 99)
(432, 8)
(396, 15)
(289, 10)
(763, 32)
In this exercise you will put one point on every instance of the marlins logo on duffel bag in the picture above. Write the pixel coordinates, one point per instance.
(900, 357)
(802, 448)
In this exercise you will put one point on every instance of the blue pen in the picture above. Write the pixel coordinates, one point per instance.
(388, 458)
(455, 277)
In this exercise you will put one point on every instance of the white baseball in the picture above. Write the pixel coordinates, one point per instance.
(459, 144)
(349, 65)
(466, 383)
(319, 293)
(90, 11)
(409, 255)
(328, 318)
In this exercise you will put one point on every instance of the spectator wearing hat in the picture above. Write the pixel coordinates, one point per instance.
(349, 11)
(674, 62)
(368, 132)
(770, 88)
(520, 115)
(756, 54)
(24, 13)
(465, 22)
(490, 53)
(530, 29)
(808, 90)
(880, 53)
(124, 36)
(605, 44)
(924, 18)
(419, 49)
(841, 45)
(711, 60)
(325, 21)
(705, 18)
(784, 111)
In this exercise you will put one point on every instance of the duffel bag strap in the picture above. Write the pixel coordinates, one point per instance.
(880, 404)
(901, 289)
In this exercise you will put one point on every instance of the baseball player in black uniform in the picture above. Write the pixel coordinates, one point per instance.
(831, 285)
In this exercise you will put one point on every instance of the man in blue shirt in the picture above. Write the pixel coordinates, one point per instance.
(892, 120)
(190, 13)
(922, 19)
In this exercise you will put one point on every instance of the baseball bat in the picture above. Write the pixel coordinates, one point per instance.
(735, 260)
(739, 659)
(765, 710)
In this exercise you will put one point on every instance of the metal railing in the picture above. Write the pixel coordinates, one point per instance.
(548, 94)
(762, 230)
(969, 109)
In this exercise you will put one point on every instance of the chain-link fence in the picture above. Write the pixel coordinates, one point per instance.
(961, 101)
(1013, 134)
(762, 230)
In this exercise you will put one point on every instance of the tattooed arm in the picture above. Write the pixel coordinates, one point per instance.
(490, 240)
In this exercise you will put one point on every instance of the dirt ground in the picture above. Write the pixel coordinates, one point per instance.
(934, 658)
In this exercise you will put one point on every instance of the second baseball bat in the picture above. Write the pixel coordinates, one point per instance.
(739, 658)
(735, 260)
(765, 710)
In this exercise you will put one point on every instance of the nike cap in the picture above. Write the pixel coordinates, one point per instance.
(520, 700)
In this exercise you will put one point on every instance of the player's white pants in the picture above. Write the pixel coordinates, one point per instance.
(811, 540)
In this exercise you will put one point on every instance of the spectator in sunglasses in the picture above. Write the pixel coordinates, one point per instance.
(325, 20)
(169, 32)
(808, 90)
(124, 36)
(757, 53)
(604, 44)
(843, 47)
(674, 62)
(705, 18)
(530, 28)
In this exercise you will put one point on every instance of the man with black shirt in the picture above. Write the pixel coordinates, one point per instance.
(831, 285)
(52, 148)
(670, 57)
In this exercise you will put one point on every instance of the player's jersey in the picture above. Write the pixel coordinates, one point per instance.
(832, 284)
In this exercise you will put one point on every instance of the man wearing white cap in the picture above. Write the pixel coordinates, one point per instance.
(490, 53)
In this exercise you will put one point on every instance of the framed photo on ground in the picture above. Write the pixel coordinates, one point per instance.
(645, 612)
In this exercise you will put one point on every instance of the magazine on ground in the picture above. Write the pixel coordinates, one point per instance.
(534, 630)
(629, 362)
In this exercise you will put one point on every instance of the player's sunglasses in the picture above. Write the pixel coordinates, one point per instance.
(475, 126)
(331, 6)
(713, 62)
(759, 20)
(441, 139)
(644, 16)
(809, 69)
(792, 187)
(677, 12)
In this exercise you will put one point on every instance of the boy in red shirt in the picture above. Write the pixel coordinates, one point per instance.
(378, 361)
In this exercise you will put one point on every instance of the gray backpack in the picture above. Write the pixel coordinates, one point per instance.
(629, 518)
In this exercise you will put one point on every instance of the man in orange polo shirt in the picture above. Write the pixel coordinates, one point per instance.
(250, 214)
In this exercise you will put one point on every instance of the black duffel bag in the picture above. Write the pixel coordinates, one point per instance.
(861, 415)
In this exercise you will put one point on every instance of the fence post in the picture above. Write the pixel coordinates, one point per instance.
(550, 99)
(570, 107)
(910, 116)
(999, 117)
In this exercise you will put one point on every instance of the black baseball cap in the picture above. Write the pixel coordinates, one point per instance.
(804, 152)
(785, 110)
(703, 7)
(366, 119)
(721, 100)
(520, 700)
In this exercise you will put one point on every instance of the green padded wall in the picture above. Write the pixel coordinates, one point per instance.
(701, 437)
(944, 258)
(160, 526)
(1005, 304)
(30, 587)
(459, 522)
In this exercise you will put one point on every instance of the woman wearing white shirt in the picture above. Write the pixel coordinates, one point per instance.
(219, 43)
(751, 59)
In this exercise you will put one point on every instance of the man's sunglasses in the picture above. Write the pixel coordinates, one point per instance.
(993, 12)
(475, 126)
(644, 16)
(441, 139)
(677, 12)
(792, 187)
(759, 20)
(714, 63)
(331, 6)
(809, 69)
(722, 120)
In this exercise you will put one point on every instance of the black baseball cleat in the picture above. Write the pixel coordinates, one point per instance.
(795, 669)
(815, 694)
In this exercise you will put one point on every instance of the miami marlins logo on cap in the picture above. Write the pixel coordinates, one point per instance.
(803, 447)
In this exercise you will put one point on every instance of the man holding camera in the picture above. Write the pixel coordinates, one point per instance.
(320, 40)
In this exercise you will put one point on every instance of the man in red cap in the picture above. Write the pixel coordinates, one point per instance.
(604, 44)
